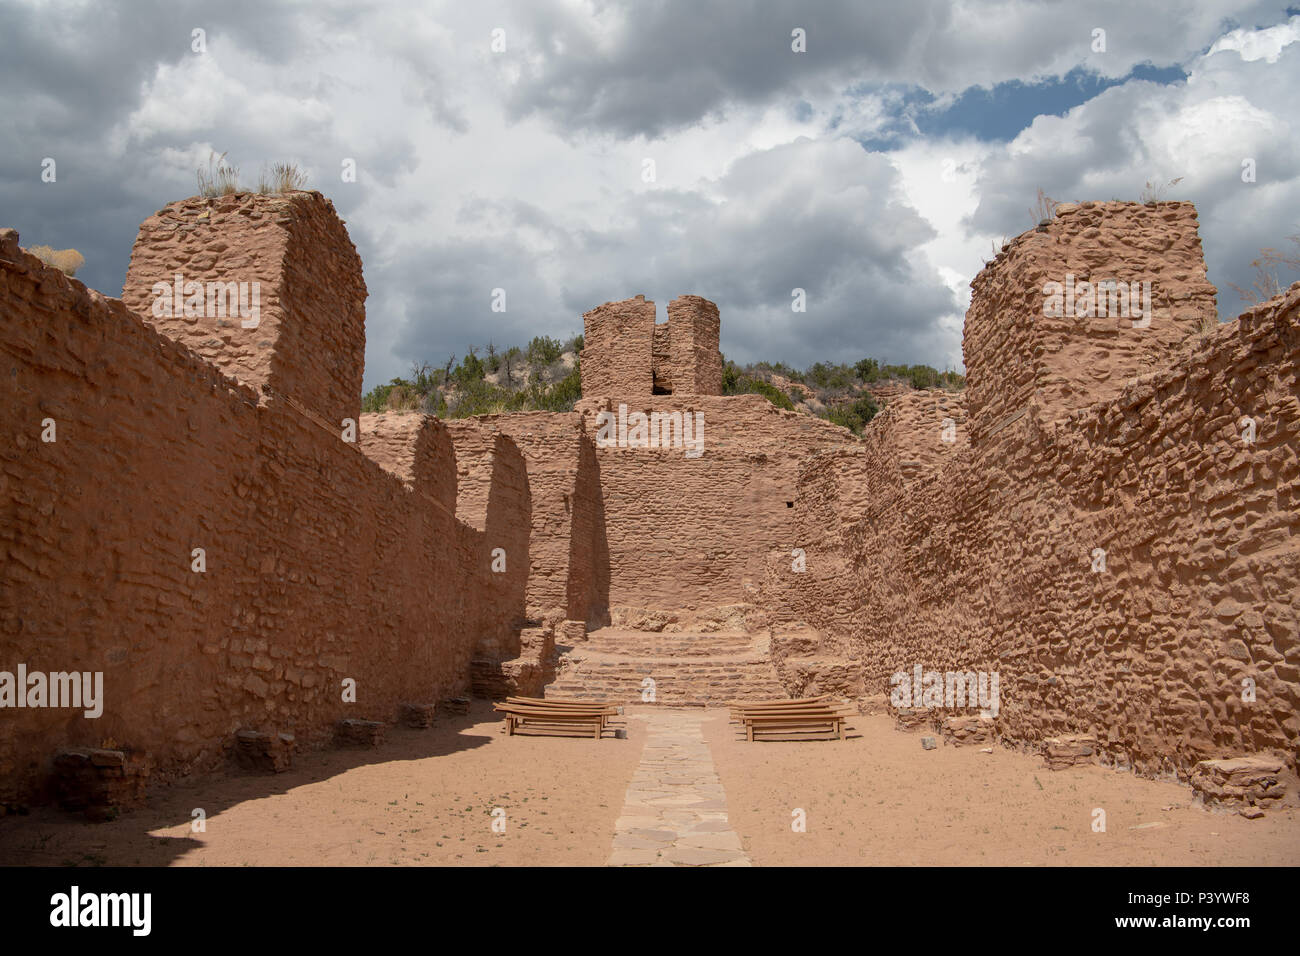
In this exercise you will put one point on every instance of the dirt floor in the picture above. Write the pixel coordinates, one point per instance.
(878, 798)
(426, 798)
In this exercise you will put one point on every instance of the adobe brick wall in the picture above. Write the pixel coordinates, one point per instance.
(694, 533)
(321, 564)
(985, 561)
(1016, 355)
(310, 342)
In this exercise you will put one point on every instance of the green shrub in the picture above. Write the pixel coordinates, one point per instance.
(543, 350)
(854, 415)
(736, 382)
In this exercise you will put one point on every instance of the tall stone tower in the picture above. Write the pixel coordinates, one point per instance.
(693, 330)
(626, 355)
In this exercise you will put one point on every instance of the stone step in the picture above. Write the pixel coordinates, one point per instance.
(675, 645)
(690, 668)
(672, 688)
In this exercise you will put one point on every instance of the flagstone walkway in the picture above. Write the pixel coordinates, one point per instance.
(675, 812)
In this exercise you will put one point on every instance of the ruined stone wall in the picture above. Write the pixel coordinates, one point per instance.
(416, 449)
(617, 344)
(626, 355)
(986, 562)
(924, 428)
(566, 558)
(693, 533)
(1015, 354)
(309, 343)
(693, 331)
(320, 564)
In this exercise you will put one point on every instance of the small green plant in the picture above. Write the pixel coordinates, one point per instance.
(737, 382)
(855, 415)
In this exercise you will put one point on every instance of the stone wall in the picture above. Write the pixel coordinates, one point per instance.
(565, 555)
(626, 355)
(1016, 354)
(961, 532)
(309, 343)
(320, 564)
(693, 533)
(693, 331)
(986, 559)
(617, 344)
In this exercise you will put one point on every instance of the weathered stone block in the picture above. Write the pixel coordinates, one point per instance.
(973, 729)
(354, 732)
(1238, 782)
(99, 782)
(417, 716)
(264, 752)
(1068, 751)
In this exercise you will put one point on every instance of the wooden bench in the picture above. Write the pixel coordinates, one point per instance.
(793, 717)
(739, 707)
(545, 715)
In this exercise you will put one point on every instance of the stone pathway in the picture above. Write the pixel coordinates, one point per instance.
(675, 813)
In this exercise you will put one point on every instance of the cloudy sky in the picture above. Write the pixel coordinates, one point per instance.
(611, 149)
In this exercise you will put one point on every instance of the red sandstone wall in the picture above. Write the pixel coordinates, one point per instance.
(694, 533)
(495, 498)
(566, 557)
(1015, 355)
(320, 564)
(986, 562)
(626, 355)
(693, 331)
(416, 449)
(310, 343)
(617, 343)
(661, 360)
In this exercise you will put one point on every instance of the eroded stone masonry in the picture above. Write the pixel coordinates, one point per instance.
(1106, 517)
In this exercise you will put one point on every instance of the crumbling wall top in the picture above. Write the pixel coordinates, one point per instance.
(1070, 311)
(268, 288)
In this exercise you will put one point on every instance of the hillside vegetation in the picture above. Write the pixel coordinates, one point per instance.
(545, 376)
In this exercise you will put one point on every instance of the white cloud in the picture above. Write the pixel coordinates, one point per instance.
(1266, 44)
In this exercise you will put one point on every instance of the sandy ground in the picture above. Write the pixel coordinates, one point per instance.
(424, 798)
(878, 798)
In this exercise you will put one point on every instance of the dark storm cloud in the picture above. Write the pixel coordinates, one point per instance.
(671, 64)
(73, 74)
